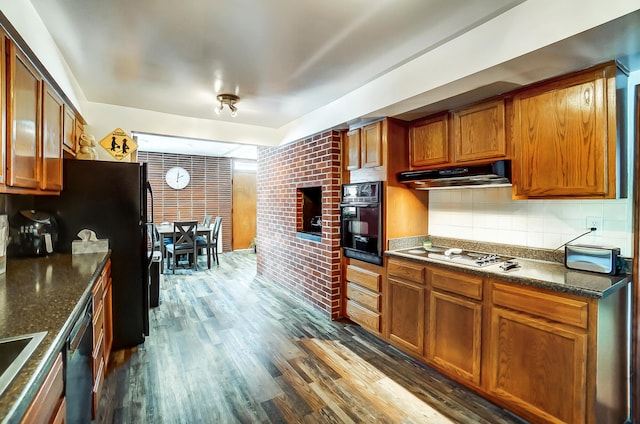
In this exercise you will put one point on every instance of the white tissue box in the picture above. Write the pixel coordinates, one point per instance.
(97, 246)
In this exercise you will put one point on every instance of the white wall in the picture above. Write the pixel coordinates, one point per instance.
(490, 215)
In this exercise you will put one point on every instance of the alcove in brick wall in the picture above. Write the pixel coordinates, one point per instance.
(310, 210)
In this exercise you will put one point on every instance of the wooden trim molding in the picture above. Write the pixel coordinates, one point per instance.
(635, 319)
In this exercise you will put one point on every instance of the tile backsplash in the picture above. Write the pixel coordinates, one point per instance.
(490, 215)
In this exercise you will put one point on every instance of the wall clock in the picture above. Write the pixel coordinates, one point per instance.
(177, 177)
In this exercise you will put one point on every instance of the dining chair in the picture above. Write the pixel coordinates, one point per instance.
(158, 246)
(202, 240)
(184, 243)
(210, 243)
(214, 238)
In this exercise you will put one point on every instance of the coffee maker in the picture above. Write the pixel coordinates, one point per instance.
(32, 233)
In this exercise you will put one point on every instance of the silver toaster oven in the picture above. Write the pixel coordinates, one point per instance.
(603, 260)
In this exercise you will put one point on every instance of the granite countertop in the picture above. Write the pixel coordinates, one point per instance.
(545, 273)
(42, 294)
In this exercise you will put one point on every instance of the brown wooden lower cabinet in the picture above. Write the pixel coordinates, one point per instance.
(454, 335)
(48, 405)
(406, 314)
(405, 305)
(538, 365)
(548, 356)
(102, 332)
(363, 289)
(454, 332)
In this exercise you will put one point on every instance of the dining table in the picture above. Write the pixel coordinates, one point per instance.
(165, 229)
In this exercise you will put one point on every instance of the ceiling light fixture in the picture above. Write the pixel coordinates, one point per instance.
(229, 100)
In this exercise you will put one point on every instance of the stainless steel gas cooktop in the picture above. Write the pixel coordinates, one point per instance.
(459, 256)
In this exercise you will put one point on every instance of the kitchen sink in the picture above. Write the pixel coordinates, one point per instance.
(14, 353)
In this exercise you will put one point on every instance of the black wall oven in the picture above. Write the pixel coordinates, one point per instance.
(361, 221)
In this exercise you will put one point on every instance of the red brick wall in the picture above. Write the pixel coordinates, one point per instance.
(208, 192)
(308, 269)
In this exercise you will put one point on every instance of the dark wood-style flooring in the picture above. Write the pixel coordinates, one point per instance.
(229, 346)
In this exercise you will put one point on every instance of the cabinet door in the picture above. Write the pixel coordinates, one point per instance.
(479, 132)
(48, 403)
(23, 112)
(406, 314)
(69, 139)
(561, 139)
(3, 104)
(429, 142)
(454, 335)
(371, 145)
(352, 155)
(545, 379)
(52, 135)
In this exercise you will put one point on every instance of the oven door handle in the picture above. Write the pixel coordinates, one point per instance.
(360, 205)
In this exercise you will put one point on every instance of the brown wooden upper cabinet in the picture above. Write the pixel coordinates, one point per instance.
(3, 100)
(352, 155)
(37, 126)
(364, 147)
(429, 141)
(372, 145)
(565, 136)
(470, 134)
(478, 132)
(24, 106)
(52, 136)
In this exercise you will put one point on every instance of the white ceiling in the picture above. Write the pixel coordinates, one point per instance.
(284, 58)
(289, 59)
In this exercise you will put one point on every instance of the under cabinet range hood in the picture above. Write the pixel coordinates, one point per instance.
(495, 174)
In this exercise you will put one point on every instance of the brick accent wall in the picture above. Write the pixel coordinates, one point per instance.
(208, 193)
(308, 269)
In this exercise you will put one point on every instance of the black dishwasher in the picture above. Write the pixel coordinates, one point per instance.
(79, 375)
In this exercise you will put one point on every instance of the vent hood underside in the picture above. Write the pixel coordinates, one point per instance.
(495, 174)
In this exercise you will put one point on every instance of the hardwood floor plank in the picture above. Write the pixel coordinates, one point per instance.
(259, 381)
(229, 346)
(292, 379)
(336, 405)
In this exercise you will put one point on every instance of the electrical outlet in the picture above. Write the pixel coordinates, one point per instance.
(594, 222)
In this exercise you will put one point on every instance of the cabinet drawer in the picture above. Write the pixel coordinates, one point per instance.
(98, 294)
(98, 354)
(363, 277)
(406, 271)
(364, 297)
(106, 270)
(363, 316)
(98, 325)
(555, 308)
(454, 282)
(97, 389)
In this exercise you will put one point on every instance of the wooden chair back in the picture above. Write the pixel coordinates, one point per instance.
(184, 234)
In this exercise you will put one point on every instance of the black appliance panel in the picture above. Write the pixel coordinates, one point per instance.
(79, 369)
(361, 221)
(110, 198)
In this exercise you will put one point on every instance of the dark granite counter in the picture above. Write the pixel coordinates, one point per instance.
(42, 294)
(547, 274)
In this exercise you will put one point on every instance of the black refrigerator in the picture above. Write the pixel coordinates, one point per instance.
(111, 198)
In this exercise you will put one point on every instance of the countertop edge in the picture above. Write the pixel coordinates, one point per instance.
(505, 276)
(16, 412)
